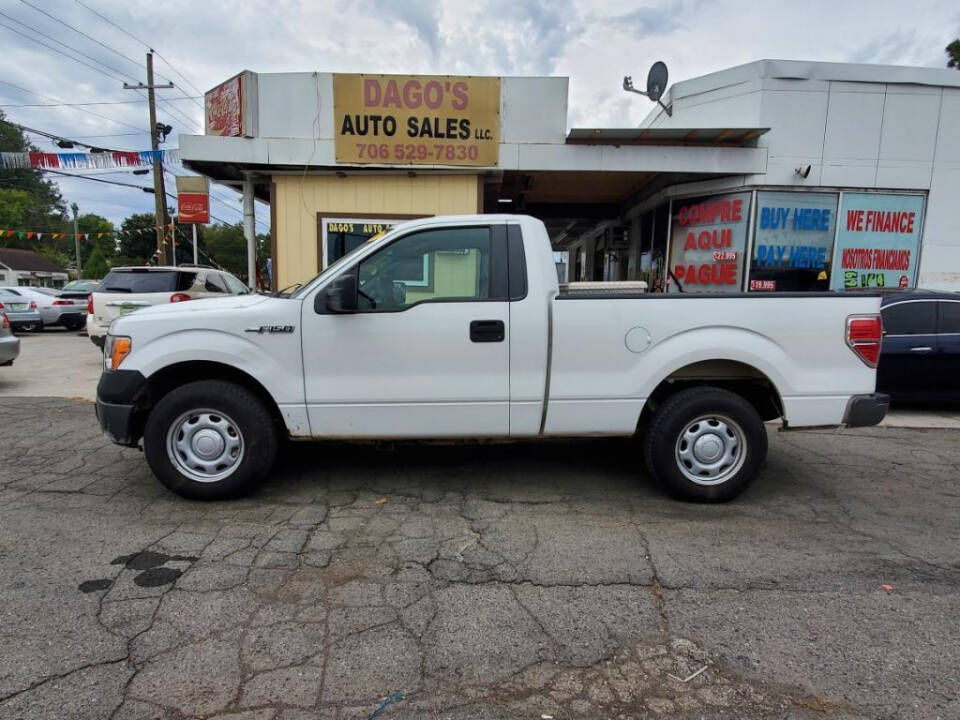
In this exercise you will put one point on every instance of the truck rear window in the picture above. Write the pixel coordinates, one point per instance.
(147, 281)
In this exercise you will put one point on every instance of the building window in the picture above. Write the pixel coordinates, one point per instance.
(793, 241)
(878, 241)
(340, 235)
(708, 237)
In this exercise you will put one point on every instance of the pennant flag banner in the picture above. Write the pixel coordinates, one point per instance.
(87, 161)
(33, 234)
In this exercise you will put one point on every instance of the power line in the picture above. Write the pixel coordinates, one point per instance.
(80, 32)
(86, 104)
(146, 45)
(99, 180)
(59, 52)
(51, 136)
(83, 110)
(171, 109)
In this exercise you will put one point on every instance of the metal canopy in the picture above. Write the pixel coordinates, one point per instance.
(726, 137)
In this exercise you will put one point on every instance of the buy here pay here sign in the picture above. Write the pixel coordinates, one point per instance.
(416, 119)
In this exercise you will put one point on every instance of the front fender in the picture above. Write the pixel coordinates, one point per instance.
(274, 360)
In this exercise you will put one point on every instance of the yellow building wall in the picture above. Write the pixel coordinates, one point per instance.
(297, 200)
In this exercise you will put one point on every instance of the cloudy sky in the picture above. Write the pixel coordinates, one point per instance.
(595, 43)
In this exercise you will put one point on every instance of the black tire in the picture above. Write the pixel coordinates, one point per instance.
(31, 327)
(726, 424)
(245, 414)
(75, 325)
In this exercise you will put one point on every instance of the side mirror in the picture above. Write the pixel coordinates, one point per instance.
(340, 296)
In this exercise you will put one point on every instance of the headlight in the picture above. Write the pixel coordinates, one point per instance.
(115, 349)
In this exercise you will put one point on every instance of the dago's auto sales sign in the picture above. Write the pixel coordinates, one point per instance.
(416, 119)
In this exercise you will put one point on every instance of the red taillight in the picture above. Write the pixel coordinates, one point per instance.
(33, 304)
(1, 306)
(62, 302)
(90, 305)
(864, 334)
(5, 322)
(179, 297)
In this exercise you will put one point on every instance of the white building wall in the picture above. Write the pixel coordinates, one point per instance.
(857, 126)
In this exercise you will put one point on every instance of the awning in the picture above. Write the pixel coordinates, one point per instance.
(725, 137)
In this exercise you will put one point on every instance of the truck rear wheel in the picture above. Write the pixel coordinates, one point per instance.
(210, 440)
(705, 444)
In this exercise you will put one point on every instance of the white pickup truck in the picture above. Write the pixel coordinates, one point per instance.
(455, 327)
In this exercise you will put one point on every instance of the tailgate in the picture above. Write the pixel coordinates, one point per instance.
(107, 307)
(126, 291)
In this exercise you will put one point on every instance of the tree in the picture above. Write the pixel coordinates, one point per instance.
(100, 234)
(27, 200)
(953, 54)
(226, 246)
(137, 248)
(95, 268)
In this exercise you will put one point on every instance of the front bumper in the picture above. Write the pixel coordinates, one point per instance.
(116, 405)
(864, 410)
(116, 422)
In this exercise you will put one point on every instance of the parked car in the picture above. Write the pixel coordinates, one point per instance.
(56, 311)
(920, 354)
(455, 327)
(9, 343)
(22, 312)
(79, 289)
(127, 289)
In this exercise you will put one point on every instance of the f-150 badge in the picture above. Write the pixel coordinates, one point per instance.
(271, 329)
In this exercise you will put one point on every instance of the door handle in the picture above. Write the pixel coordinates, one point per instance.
(921, 349)
(487, 331)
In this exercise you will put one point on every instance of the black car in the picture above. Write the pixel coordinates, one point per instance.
(920, 355)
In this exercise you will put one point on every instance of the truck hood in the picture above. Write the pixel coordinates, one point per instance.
(231, 302)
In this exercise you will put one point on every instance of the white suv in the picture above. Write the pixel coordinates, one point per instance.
(127, 289)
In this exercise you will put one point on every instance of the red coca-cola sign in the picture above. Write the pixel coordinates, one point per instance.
(193, 207)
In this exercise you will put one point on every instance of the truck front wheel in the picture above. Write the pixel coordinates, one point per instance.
(705, 444)
(210, 440)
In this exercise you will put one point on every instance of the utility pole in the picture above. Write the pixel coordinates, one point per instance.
(159, 190)
(76, 237)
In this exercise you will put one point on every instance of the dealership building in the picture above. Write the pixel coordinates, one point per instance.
(770, 176)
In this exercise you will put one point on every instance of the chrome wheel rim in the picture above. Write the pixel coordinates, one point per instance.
(205, 445)
(711, 449)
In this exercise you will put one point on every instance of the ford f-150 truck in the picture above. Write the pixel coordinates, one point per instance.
(456, 327)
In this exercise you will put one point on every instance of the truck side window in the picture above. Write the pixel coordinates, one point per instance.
(444, 264)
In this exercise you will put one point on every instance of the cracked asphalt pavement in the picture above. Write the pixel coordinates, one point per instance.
(484, 581)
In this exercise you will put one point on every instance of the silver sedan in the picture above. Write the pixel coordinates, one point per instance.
(9, 345)
(56, 310)
(22, 312)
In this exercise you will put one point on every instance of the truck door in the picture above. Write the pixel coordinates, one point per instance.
(427, 351)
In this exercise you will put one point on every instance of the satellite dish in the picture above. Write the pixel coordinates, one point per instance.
(656, 80)
(656, 85)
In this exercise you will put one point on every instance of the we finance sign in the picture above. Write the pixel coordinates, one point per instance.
(416, 119)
